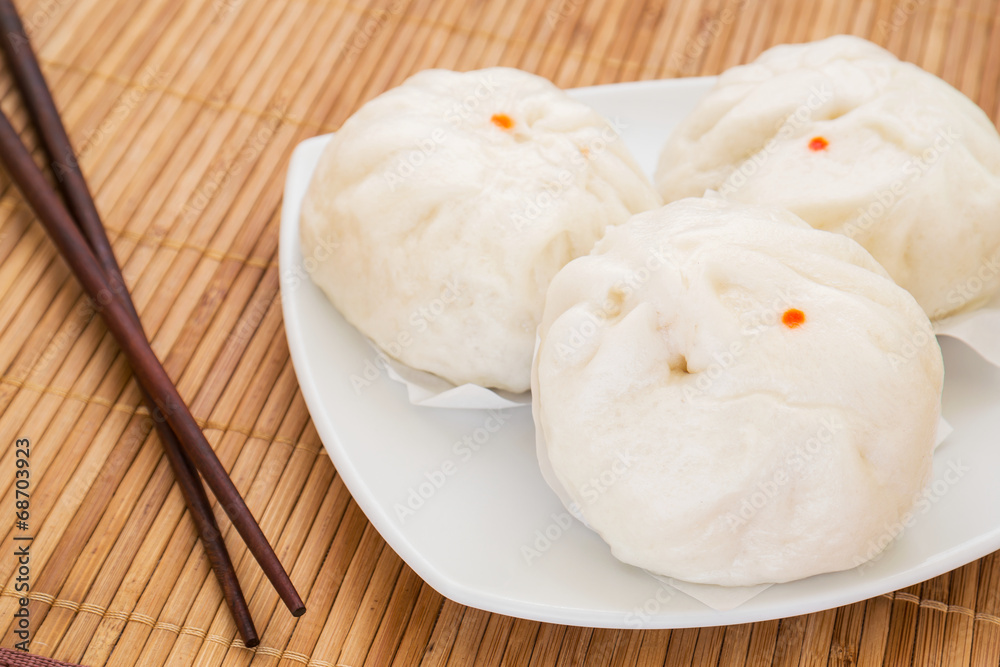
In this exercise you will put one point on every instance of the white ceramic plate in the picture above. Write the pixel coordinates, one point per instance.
(480, 510)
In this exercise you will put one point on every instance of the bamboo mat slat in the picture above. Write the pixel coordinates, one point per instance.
(184, 115)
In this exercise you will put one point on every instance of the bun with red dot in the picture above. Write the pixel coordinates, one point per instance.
(855, 141)
(730, 397)
(442, 208)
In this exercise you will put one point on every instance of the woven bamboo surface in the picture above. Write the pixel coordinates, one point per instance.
(184, 114)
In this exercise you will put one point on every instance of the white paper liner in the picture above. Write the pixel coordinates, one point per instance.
(979, 329)
(431, 391)
(719, 598)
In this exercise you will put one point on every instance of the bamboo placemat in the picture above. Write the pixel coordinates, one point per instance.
(184, 114)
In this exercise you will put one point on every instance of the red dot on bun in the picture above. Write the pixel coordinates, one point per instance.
(502, 120)
(818, 144)
(793, 318)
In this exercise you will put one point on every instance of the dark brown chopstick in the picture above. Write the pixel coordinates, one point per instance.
(120, 317)
(56, 219)
(41, 106)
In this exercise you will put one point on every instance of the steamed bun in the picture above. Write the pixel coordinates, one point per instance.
(730, 397)
(441, 210)
(854, 141)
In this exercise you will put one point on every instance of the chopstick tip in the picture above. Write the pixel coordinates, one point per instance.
(298, 611)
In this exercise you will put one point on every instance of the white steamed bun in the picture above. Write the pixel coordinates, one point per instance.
(730, 397)
(442, 208)
(854, 141)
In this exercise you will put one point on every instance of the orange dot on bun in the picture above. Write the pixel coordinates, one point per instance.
(818, 144)
(502, 120)
(793, 318)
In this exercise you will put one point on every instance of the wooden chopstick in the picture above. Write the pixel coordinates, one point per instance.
(71, 244)
(35, 92)
(120, 321)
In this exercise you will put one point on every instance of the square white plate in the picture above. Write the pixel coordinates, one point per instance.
(480, 525)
